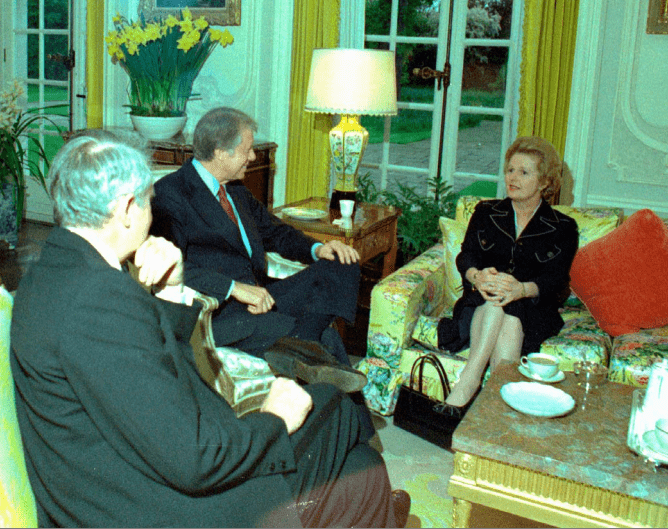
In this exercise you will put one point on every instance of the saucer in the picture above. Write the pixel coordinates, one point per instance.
(649, 438)
(552, 380)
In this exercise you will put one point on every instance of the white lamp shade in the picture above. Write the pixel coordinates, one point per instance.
(351, 81)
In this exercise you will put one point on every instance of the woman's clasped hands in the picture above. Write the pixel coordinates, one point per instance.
(497, 287)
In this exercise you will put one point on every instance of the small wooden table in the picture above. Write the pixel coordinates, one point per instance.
(571, 471)
(373, 231)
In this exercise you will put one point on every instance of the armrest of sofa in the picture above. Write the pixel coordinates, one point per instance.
(396, 304)
(398, 300)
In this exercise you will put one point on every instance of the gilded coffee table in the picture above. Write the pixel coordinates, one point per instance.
(571, 471)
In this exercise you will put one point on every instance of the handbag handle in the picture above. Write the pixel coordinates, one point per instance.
(430, 358)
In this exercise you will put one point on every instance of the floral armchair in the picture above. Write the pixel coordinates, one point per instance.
(406, 306)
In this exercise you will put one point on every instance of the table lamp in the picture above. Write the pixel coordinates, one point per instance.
(350, 82)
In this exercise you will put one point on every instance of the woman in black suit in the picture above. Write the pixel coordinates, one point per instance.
(515, 263)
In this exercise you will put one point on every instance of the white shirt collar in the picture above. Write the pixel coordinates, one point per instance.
(208, 179)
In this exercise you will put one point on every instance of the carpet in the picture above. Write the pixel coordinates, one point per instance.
(420, 468)
(423, 470)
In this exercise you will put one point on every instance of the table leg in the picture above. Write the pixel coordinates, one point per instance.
(461, 512)
(390, 258)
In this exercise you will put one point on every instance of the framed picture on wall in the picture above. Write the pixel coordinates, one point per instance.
(216, 12)
(657, 17)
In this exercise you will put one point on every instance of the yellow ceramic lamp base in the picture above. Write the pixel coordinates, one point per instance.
(348, 141)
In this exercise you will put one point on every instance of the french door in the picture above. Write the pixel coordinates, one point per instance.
(44, 50)
(459, 130)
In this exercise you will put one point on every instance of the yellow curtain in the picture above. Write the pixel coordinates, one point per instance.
(547, 66)
(94, 63)
(316, 25)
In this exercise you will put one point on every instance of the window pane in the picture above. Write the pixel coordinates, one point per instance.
(489, 20)
(418, 18)
(33, 57)
(33, 14)
(410, 133)
(479, 144)
(56, 45)
(484, 76)
(56, 14)
(377, 17)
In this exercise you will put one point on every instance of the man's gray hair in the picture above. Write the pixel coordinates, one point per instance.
(220, 128)
(90, 173)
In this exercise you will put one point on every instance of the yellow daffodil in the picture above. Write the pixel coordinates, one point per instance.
(152, 32)
(171, 21)
(201, 23)
(186, 25)
(132, 48)
(162, 79)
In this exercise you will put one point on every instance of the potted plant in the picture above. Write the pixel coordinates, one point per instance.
(162, 58)
(417, 227)
(20, 157)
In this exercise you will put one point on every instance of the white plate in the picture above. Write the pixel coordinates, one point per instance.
(305, 213)
(537, 399)
(552, 380)
(657, 453)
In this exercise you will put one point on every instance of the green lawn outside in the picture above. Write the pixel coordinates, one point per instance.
(415, 125)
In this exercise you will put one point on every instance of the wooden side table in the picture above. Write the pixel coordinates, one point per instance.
(373, 232)
(260, 173)
(259, 178)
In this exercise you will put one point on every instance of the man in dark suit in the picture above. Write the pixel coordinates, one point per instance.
(224, 247)
(119, 429)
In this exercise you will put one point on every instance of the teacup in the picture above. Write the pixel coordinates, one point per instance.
(346, 207)
(661, 434)
(540, 364)
(590, 375)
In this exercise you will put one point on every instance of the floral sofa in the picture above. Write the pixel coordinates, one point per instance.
(406, 306)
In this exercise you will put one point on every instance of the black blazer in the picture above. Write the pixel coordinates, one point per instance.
(118, 428)
(186, 212)
(543, 254)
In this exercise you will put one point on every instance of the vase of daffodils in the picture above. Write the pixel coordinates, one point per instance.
(162, 58)
(21, 156)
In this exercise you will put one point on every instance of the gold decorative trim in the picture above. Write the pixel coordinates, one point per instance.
(548, 499)
(229, 15)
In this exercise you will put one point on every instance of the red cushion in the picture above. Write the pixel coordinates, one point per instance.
(622, 277)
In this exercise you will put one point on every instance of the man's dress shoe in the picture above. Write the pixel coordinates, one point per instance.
(310, 362)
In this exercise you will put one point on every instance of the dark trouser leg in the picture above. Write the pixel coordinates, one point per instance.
(340, 481)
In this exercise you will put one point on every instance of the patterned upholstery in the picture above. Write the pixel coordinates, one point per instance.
(633, 355)
(17, 503)
(406, 306)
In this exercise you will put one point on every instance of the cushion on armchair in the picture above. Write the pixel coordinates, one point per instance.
(621, 277)
(17, 503)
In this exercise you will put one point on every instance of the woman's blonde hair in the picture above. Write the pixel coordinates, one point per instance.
(551, 170)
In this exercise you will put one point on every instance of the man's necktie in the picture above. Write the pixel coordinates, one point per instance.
(224, 201)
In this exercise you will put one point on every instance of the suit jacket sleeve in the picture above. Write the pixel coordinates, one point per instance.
(137, 382)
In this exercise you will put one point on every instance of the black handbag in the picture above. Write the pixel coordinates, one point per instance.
(421, 414)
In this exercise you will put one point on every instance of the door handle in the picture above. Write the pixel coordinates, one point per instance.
(69, 60)
(428, 73)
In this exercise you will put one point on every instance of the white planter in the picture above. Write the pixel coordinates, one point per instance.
(158, 129)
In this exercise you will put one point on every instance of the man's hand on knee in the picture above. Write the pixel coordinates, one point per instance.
(258, 299)
(289, 401)
(346, 254)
